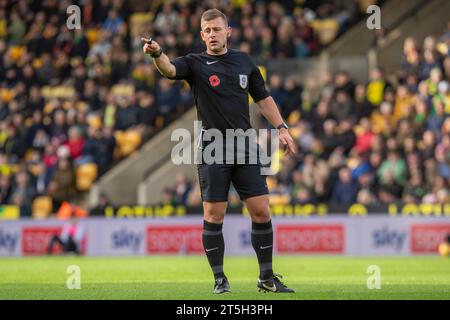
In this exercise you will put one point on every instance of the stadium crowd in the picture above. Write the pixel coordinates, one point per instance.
(373, 143)
(73, 102)
(264, 29)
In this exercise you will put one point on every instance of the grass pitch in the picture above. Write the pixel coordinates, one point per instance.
(189, 277)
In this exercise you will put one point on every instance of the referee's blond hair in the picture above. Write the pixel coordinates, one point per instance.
(212, 14)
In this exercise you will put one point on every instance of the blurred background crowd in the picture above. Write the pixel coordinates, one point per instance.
(380, 142)
(75, 102)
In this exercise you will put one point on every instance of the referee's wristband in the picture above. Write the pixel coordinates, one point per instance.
(283, 125)
(157, 54)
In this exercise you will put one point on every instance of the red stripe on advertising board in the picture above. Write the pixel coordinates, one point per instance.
(315, 238)
(35, 240)
(174, 239)
(425, 238)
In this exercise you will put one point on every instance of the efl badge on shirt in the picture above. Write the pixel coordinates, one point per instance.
(243, 80)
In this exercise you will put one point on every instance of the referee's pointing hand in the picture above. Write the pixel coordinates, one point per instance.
(150, 45)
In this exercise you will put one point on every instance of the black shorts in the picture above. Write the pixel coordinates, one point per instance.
(215, 181)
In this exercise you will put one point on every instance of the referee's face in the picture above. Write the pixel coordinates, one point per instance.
(215, 33)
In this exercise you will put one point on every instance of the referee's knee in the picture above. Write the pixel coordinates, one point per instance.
(260, 215)
(214, 213)
(259, 209)
(213, 217)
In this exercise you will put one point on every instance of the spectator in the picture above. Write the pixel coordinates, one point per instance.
(126, 116)
(5, 189)
(147, 113)
(376, 87)
(346, 137)
(364, 138)
(395, 166)
(90, 147)
(23, 193)
(14, 146)
(292, 97)
(62, 183)
(276, 90)
(383, 122)
(166, 20)
(16, 29)
(37, 125)
(42, 176)
(341, 106)
(415, 189)
(182, 188)
(429, 63)
(167, 99)
(58, 128)
(40, 140)
(107, 144)
(345, 190)
(390, 190)
(329, 139)
(361, 105)
(113, 23)
(103, 204)
(75, 143)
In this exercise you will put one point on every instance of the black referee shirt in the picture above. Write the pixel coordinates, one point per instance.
(220, 86)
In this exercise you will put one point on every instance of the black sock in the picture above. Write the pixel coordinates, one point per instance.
(262, 242)
(214, 246)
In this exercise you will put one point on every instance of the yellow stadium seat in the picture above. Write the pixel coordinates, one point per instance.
(119, 135)
(326, 29)
(277, 199)
(127, 142)
(86, 175)
(42, 207)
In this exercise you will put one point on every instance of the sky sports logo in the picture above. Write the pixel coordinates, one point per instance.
(8, 241)
(391, 238)
(124, 239)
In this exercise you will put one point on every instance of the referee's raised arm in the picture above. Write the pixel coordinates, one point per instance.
(161, 60)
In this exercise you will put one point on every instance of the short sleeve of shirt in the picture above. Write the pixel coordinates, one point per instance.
(257, 88)
(182, 68)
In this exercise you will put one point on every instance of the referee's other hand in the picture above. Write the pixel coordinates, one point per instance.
(150, 45)
(287, 142)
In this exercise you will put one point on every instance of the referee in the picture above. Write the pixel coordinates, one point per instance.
(220, 80)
